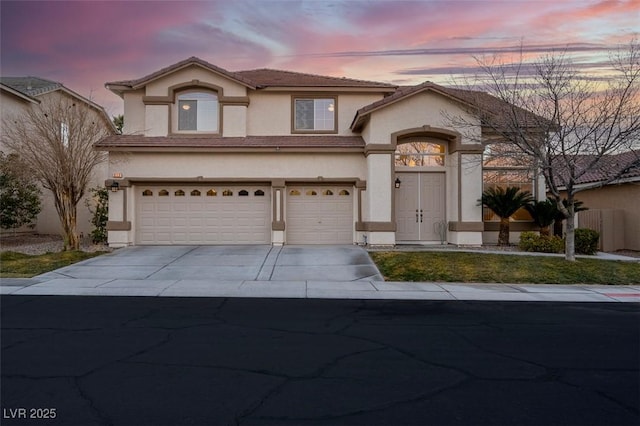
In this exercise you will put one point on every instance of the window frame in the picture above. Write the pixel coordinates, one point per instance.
(175, 119)
(314, 97)
(430, 155)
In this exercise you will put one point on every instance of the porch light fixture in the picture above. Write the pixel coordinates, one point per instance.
(397, 183)
(115, 186)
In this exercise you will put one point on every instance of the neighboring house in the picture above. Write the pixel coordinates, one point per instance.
(614, 207)
(276, 157)
(17, 95)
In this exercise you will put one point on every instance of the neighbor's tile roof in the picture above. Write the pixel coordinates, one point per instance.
(258, 78)
(307, 141)
(628, 161)
(30, 86)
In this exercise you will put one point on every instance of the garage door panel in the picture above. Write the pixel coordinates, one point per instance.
(321, 218)
(202, 215)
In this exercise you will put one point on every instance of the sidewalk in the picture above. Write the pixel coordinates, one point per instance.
(321, 290)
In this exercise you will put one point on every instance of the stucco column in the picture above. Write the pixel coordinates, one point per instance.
(466, 181)
(379, 222)
(119, 232)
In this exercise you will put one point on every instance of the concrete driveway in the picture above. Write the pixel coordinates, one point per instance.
(245, 263)
(210, 271)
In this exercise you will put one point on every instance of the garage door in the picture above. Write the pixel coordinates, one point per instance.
(203, 215)
(319, 215)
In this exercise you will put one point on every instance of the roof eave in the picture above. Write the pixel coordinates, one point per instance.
(19, 94)
(310, 149)
(223, 73)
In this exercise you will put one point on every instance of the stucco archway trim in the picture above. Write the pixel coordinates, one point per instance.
(451, 137)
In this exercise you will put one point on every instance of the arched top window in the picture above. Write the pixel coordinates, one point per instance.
(163, 193)
(198, 111)
(179, 193)
(327, 192)
(243, 193)
(343, 192)
(294, 192)
(147, 193)
(420, 154)
(212, 193)
(311, 192)
(227, 193)
(195, 193)
(259, 193)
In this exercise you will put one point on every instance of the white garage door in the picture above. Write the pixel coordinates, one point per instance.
(214, 214)
(319, 215)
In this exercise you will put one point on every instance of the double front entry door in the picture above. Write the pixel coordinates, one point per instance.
(420, 206)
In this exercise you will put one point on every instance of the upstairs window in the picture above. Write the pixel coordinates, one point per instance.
(198, 112)
(315, 115)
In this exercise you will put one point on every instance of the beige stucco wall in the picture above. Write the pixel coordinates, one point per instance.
(134, 118)
(270, 113)
(235, 121)
(425, 108)
(624, 197)
(159, 87)
(233, 165)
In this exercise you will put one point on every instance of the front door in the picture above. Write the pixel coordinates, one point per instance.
(420, 206)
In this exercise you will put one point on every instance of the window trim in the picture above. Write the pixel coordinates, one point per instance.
(313, 97)
(175, 114)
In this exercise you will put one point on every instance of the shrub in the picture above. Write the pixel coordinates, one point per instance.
(586, 241)
(99, 208)
(530, 241)
(19, 194)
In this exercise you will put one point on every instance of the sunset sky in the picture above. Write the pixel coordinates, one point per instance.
(85, 44)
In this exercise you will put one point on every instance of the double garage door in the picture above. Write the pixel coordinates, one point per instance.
(203, 215)
(189, 214)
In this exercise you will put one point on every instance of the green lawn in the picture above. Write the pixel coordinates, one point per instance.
(499, 268)
(19, 265)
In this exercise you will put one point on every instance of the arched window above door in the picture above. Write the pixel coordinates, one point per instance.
(420, 154)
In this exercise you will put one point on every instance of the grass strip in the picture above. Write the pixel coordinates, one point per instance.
(499, 268)
(20, 265)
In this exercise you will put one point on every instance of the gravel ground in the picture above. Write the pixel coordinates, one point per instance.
(40, 244)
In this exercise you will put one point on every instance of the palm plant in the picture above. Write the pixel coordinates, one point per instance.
(544, 213)
(504, 202)
(578, 206)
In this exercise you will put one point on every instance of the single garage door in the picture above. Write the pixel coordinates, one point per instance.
(319, 215)
(190, 214)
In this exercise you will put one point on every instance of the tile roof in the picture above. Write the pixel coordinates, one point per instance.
(476, 99)
(266, 77)
(249, 142)
(30, 86)
(258, 78)
(628, 161)
(179, 65)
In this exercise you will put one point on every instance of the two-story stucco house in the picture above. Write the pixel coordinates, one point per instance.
(20, 94)
(265, 156)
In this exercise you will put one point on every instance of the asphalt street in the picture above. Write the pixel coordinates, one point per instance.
(215, 361)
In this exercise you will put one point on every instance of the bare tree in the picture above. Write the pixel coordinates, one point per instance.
(564, 124)
(55, 139)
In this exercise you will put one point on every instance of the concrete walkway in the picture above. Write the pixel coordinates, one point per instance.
(326, 272)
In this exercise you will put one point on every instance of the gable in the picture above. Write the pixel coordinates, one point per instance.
(423, 108)
(196, 76)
